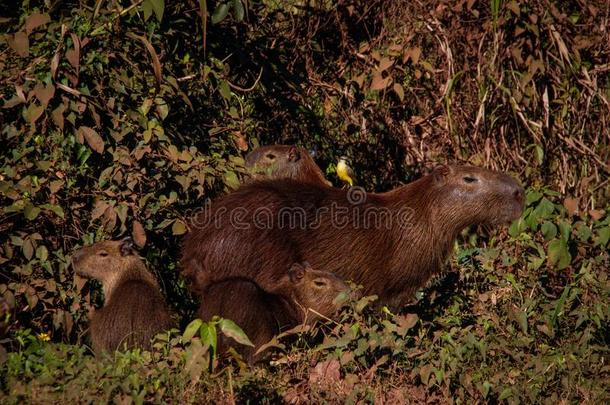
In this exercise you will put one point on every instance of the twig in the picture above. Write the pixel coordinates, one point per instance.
(236, 87)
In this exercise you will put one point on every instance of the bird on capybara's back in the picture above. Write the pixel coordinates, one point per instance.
(390, 243)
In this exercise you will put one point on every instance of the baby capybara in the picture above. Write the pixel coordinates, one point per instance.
(302, 295)
(284, 162)
(391, 243)
(134, 309)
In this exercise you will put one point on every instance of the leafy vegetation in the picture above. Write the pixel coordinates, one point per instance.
(118, 118)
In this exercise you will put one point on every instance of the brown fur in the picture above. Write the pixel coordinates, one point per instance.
(285, 161)
(262, 315)
(6, 312)
(134, 309)
(392, 263)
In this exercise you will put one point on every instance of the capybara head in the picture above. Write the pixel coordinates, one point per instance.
(284, 161)
(472, 195)
(105, 260)
(314, 289)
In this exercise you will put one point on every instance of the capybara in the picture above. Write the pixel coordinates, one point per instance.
(263, 315)
(284, 161)
(390, 243)
(134, 309)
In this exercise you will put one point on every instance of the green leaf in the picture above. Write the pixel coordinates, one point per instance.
(224, 89)
(532, 196)
(178, 228)
(539, 154)
(485, 388)
(560, 303)
(147, 8)
(507, 392)
(192, 329)
(207, 332)
(584, 232)
(549, 230)
(220, 13)
(544, 209)
(517, 227)
(238, 10)
(231, 180)
(158, 6)
(230, 329)
(558, 254)
(54, 208)
(565, 229)
(30, 211)
(42, 253)
(603, 235)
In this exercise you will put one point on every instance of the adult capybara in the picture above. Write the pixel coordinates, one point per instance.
(134, 309)
(284, 161)
(390, 243)
(301, 296)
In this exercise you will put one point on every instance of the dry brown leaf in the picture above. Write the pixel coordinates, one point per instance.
(73, 57)
(325, 373)
(153, 55)
(93, 139)
(138, 233)
(596, 214)
(385, 63)
(400, 92)
(98, 209)
(571, 205)
(240, 141)
(20, 43)
(44, 93)
(413, 54)
(57, 115)
(35, 20)
(379, 82)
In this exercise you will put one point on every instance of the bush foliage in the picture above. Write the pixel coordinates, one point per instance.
(118, 118)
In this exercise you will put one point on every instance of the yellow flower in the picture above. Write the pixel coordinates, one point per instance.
(45, 337)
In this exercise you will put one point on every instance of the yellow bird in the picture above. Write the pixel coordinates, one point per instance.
(344, 172)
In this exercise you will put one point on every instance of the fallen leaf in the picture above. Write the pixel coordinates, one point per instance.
(400, 92)
(385, 64)
(240, 141)
(35, 20)
(380, 83)
(20, 43)
(93, 139)
(413, 54)
(596, 214)
(325, 373)
(32, 113)
(57, 115)
(571, 205)
(44, 93)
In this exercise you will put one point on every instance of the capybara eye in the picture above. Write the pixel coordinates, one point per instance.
(102, 253)
(319, 283)
(270, 156)
(470, 179)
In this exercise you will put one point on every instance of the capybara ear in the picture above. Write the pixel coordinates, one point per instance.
(296, 272)
(293, 154)
(126, 246)
(440, 173)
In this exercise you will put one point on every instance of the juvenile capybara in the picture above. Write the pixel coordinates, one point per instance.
(390, 243)
(134, 309)
(284, 161)
(301, 295)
